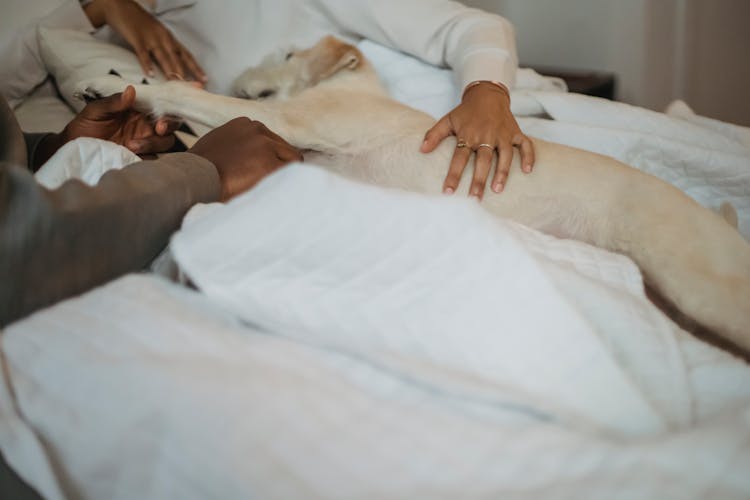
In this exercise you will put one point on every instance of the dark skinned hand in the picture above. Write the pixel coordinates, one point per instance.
(113, 119)
(244, 152)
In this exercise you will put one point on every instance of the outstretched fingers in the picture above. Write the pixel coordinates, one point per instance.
(482, 166)
(442, 129)
(151, 145)
(192, 65)
(460, 159)
(504, 161)
(144, 59)
(526, 147)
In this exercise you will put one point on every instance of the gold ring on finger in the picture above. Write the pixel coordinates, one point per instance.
(461, 143)
(488, 146)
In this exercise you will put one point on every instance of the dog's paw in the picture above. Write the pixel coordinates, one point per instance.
(103, 86)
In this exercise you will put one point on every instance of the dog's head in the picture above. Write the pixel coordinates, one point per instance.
(282, 76)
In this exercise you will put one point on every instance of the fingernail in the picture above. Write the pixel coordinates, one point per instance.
(448, 190)
(475, 192)
(496, 187)
(527, 168)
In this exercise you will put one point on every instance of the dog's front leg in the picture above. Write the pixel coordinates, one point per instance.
(186, 101)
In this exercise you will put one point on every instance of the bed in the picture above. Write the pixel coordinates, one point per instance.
(346, 347)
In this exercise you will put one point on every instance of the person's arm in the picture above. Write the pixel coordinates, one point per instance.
(59, 243)
(111, 118)
(54, 244)
(21, 65)
(151, 41)
(477, 45)
(480, 47)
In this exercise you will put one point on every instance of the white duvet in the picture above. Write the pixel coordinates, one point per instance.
(353, 342)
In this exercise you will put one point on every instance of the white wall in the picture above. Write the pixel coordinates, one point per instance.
(660, 49)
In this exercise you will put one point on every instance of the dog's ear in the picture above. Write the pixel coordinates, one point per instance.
(328, 57)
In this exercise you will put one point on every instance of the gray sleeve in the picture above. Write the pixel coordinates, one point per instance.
(54, 244)
(32, 144)
(13, 146)
(16, 147)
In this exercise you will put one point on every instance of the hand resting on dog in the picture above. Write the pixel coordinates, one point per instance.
(244, 152)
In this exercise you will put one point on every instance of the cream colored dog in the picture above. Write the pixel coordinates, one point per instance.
(327, 101)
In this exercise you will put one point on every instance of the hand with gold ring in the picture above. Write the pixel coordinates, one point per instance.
(486, 128)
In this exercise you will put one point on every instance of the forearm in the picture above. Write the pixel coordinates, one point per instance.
(95, 11)
(477, 45)
(41, 147)
(486, 50)
(60, 243)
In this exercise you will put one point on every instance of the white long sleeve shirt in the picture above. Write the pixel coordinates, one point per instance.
(229, 36)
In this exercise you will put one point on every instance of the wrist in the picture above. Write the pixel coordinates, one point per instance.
(486, 87)
(44, 150)
(96, 11)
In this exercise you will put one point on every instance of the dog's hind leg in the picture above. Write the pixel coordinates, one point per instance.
(690, 254)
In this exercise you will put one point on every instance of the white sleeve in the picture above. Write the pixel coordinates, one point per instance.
(21, 66)
(477, 45)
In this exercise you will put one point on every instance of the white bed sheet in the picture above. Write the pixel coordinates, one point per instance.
(156, 408)
(319, 362)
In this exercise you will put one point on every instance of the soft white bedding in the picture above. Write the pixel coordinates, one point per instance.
(353, 342)
(86, 159)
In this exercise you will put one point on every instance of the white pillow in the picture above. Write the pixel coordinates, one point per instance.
(86, 159)
(73, 56)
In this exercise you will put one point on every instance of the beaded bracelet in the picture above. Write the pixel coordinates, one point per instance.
(499, 85)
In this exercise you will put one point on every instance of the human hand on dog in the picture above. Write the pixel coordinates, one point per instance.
(484, 124)
(113, 119)
(148, 37)
(244, 152)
